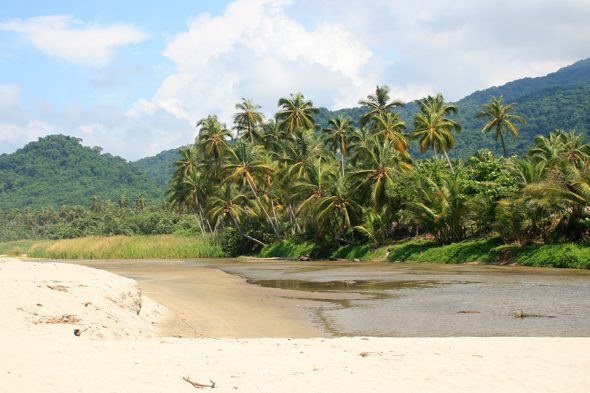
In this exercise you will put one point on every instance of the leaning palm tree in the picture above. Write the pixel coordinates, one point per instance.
(296, 112)
(248, 120)
(338, 134)
(248, 167)
(434, 128)
(500, 119)
(377, 104)
(228, 206)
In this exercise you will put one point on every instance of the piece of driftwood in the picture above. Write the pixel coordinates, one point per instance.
(200, 385)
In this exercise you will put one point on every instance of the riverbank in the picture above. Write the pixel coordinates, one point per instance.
(41, 354)
(483, 250)
(117, 247)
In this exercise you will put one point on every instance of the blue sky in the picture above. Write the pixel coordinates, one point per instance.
(134, 76)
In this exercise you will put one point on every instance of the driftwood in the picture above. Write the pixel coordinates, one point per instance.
(200, 385)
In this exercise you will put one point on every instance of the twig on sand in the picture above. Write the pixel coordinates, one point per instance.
(199, 385)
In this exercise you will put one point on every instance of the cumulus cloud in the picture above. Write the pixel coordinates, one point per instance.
(254, 49)
(458, 46)
(67, 38)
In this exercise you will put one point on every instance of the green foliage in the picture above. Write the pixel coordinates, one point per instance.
(359, 251)
(287, 249)
(158, 168)
(568, 255)
(58, 170)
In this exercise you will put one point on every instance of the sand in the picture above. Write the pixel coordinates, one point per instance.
(120, 350)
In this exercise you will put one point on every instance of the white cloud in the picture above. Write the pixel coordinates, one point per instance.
(67, 38)
(254, 49)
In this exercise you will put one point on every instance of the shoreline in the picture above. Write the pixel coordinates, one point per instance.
(46, 357)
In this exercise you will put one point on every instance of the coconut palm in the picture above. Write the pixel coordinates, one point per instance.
(296, 112)
(440, 209)
(389, 127)
(336, 211)
(434, 128)
(248, 120)
(500, 119)
(248, 167)
(377, 104)
(338, 135)
(212, 138)
(377, 171)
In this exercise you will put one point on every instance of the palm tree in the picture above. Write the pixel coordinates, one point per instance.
(301, 151)
(248, 120)
(377, 172)
(336, 210)
(433, 128)
(247, 166)
(377, 104)
(500, 119)
(212, 138)
(440, 208)
(390, 127)
(123, 201)
(296, 112)
(338, 134)
(140, 202)
(229, 205)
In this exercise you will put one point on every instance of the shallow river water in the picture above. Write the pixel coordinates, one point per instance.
(381, 299)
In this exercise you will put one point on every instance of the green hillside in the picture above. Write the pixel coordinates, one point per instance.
(558, 100)
(58, 170)
(159, 167)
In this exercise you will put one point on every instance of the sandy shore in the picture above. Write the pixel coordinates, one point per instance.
(119, 352)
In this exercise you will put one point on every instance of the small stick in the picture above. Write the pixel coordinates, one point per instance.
(199, 385)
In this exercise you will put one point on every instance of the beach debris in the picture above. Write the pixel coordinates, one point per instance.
(199, 385)
(60, 288)
(78, 332)
(366, 354)
(468, 312)
(523, 314)
(65, 318)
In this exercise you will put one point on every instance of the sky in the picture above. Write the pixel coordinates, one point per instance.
(134, 76)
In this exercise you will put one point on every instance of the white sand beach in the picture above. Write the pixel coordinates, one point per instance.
(120, 349)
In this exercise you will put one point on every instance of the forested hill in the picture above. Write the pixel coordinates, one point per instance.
(560, 100)
(159, 168)
(58, 170)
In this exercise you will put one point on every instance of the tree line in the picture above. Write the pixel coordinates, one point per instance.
(284, 178)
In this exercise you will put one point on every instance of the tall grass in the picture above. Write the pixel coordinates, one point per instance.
(117, 247)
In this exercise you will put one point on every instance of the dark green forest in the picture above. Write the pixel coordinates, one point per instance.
(58, 170)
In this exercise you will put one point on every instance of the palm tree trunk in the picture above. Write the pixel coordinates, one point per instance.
(245, 235)
(503, 145)
(449, 161)
(270, 221)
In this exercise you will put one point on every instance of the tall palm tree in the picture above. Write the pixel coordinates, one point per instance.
(434, 128)
(300, 152)
(248, 120)
(248, 167)
(377, 104)
(296, 112)
(500, 119)
(338, 134)
(212, 138)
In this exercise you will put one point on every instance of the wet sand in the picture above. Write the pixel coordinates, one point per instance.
(207, 302)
